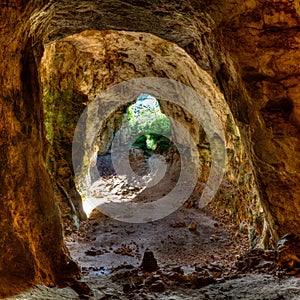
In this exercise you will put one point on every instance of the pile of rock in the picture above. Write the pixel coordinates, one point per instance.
(149, 277)
(283, 260)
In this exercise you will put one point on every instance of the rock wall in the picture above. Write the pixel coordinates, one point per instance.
(62, 104)
(263, 40)
(32, 249)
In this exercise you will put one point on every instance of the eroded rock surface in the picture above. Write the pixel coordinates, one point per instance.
(263, 40)
(31, 242)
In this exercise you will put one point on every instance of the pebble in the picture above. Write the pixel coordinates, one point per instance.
(158, 286)
(193, 226)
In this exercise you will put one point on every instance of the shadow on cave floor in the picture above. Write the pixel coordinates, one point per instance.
(107, 186)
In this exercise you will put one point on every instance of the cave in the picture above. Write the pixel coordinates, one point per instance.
(226, 75)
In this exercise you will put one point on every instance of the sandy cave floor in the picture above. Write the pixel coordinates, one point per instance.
(200, 255)
(110, 254)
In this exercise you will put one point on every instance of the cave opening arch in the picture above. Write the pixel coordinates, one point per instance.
(134, 54)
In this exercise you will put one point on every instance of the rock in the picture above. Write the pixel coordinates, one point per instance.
(178, 269)
(265, 264)
(81, 288)
(288, 252)
(127, 288)
(215, 269)
(178, 224)
(137, 281)
(250, 260)
(216, 274)
(158, 287)
(125, 250)
(90, 252)
(204, 281)
(220, 280)
(123, 274)
(213, 237)
(193, 226)
(202, 270)
(94, 252)
(149, 263)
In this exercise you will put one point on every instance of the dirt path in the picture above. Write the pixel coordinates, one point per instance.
(105, 243)
(198, 264)
(200, 254)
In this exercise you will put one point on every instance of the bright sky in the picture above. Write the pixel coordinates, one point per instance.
(145, 101)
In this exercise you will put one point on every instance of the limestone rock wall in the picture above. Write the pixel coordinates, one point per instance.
(31, 244)
(263, 40)
(62, 104)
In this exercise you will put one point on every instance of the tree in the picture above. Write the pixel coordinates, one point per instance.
(146, 120)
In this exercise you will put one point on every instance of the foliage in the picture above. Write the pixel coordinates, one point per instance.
(141, 142)
(149, 123)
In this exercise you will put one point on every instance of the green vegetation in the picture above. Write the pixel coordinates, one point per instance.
(155, 142)
(148, 122)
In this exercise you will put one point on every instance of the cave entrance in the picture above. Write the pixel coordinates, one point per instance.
(151, 153)
(145, 116)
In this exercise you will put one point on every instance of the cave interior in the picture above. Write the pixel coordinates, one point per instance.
(225, 79)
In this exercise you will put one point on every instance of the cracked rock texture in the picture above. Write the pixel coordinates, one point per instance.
(263, 40)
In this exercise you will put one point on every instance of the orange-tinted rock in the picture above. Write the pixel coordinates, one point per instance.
(32, 249)
(250, 49)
